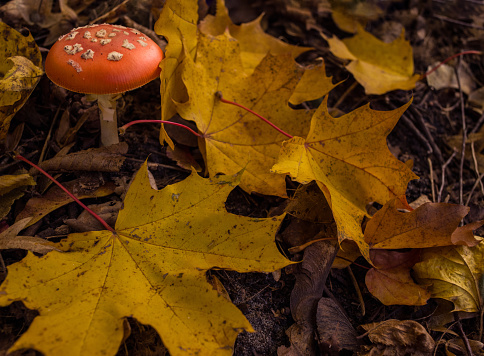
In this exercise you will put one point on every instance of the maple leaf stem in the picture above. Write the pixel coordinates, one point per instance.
(447, 60)
(123, 128)
(219, 95)
(97, 217)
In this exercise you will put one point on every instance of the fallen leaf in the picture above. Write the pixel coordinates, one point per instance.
(378, 66)
(100, 159)
(445, 77)
(178, 24)
(20, 71)
(86, 222)
(430, 225)
(348, 15)
(12, 188)
(152, 269)
(11, 182)
(395, 337)
(233, 138)
(311, 276)
(38, 207)
(453, 273)
(390, 280)
(309, 204)
(9, 239)
(341, 335)
(251, 51)
(349, 158)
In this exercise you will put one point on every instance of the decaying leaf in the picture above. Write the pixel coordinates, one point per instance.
(100, 159)
(11, 188)
(38, 207)
(395, 337)
(430, 225)
(20, 71)
(9, 239)
(311, 276)
(380, 67)
(152, 269)
(454, 273)
(233, 138)
(390, 280)
(349, 158)
(341, 335)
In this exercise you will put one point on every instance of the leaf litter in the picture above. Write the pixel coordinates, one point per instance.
(348, 199)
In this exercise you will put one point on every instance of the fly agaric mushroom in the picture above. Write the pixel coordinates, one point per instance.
(104, 61)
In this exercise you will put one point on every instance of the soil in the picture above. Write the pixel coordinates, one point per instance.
(436, 31)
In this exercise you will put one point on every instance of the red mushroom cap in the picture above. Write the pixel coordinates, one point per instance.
(103, 59)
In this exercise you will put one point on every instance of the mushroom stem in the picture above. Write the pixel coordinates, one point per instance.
(107, 115)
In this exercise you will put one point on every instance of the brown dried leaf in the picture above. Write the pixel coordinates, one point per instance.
(311, 276)
(341, 335)
(38, 207)
(395, 337)
(9, 239)
(430, 225)
(103, 159)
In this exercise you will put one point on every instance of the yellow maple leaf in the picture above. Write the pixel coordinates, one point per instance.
(233, 138)
(21, 68)
(380, 67)
(153, 269)
(454, 273)
(177, 23)
(349, 159)
(254, 42)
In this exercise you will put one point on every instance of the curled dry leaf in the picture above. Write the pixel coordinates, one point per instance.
(430, 225)
(341, 335)
(9, 239)
(38, 207)
(11, 188)
(102, 159)
(395, 337)
(21, 68)
(311, 276)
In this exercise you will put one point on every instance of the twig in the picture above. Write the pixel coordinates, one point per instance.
(479, 179)
(478, 124)
(432, 183)
(444, 167)
(406, 120)
(358, 291)
(476, 166)
(345, 94)
(462, 335)
(428, 134)
(49, 134)
(457, 22)
(464, 138)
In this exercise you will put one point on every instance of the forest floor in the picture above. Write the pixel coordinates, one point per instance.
(436, 31)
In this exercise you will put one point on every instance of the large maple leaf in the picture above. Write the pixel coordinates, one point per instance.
(378, 66)
(234, 138)
(350, 160)
(153, 269)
